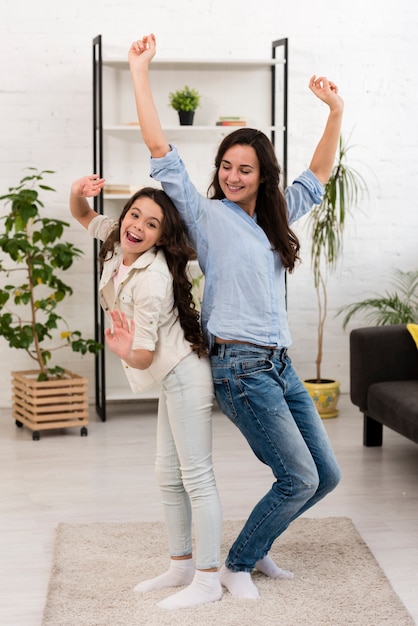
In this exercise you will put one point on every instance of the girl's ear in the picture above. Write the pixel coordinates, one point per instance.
(160, 242)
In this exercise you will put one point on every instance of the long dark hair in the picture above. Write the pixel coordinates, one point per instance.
(178, 252)
(271, 204)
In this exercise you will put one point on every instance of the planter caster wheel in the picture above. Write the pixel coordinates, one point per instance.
(84, 431)
(18, 424)
(36, 435)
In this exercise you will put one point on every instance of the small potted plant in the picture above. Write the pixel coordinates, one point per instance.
(185, 101)
(28, 309)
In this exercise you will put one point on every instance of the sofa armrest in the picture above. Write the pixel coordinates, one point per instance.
(377, 354)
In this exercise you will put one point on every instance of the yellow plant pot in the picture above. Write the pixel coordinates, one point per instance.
(325, 395)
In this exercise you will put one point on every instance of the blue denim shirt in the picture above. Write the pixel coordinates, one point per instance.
(244, 291)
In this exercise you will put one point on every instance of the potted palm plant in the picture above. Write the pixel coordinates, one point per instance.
(185, 101)
(326, 224)
(393, 307)
(49, 396)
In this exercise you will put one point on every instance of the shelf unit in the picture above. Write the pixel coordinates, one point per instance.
(254, 89)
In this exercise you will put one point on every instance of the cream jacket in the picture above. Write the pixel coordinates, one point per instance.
(146, 296)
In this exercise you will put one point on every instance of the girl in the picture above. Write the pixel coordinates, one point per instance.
(155, 331)
(245, 245)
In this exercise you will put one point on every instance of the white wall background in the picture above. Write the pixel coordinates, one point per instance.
(368, 48)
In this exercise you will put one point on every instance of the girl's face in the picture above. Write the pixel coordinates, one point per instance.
(141, 229)
(239, 176)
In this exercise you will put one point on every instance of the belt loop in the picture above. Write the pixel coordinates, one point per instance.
(218, 349)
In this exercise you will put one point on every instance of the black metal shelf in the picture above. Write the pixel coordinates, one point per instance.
(278, 63)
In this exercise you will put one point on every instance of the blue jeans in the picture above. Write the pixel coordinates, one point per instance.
(183, 464)
(260, 392)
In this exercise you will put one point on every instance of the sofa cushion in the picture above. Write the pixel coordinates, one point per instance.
(413, 329)
(395, 404)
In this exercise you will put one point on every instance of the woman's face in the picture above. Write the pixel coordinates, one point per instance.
(141, 229)
(239, 176)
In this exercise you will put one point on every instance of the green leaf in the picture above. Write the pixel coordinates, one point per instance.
(32, 242)
(398, 307)
(4, 297)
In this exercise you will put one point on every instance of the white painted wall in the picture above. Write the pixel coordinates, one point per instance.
(369, 49)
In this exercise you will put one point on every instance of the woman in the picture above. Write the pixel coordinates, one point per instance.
(155, 331)
(245, 245)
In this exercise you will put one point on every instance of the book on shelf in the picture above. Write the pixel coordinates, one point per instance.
(117, 188)
(234, 120)
(120, 189)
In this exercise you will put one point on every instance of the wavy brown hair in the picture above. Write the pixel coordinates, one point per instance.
(271, 204)
(178, 252)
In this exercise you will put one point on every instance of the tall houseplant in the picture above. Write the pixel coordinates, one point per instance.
(327, 221)
(29, 320)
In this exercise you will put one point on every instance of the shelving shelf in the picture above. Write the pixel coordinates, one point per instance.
(117, 62)
(255, 89)
(124, 128)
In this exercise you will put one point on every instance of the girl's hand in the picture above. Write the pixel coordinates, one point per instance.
(88, 186)
(120, 337)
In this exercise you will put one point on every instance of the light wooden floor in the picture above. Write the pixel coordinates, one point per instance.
(108, 476)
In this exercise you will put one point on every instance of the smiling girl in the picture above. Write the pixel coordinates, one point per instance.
(155, 331)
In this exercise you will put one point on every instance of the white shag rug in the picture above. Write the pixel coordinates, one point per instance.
(337, 580)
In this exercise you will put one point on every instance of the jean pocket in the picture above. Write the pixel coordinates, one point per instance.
(254, 366)
(225, 397)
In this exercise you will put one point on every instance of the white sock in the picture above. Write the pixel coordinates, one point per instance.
(180, 572)
(267, 566)
(204, 588)
(239, 584)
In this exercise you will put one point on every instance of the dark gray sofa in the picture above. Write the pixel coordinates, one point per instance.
(384, 381)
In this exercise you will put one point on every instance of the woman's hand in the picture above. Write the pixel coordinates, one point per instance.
(324, 154)
(326, 90)
(142, 51)
(140, 55)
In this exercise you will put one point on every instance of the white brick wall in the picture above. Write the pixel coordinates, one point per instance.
(369, 50)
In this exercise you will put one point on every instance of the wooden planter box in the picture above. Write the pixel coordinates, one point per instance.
(58, 403)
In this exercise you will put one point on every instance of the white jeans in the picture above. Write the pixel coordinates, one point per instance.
(184, 462)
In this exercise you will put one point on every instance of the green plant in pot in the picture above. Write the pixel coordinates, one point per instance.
(49, 396)
(327, 220)
(185, 101)
(32, 244)
(399, 306)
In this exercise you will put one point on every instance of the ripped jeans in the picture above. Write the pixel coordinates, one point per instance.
(259, 391)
